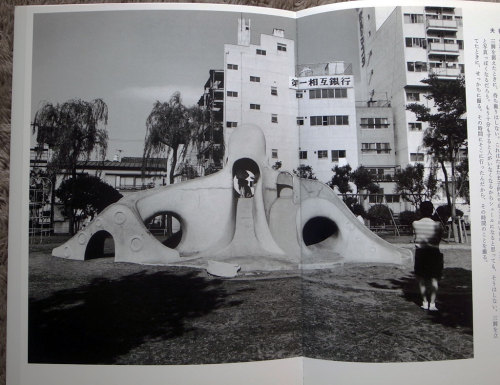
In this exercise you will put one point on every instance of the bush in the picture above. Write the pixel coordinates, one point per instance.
(406, 218)
(357, 209)
(443, 213)
(380, 215)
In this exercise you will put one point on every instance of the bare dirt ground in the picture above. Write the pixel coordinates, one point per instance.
(101, 312)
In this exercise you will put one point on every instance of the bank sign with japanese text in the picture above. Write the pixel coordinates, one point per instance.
(338, 81)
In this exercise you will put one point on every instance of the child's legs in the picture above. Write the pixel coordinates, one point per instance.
(433, 290)
(422, 287)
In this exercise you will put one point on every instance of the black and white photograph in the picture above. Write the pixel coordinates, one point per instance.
(210, 187)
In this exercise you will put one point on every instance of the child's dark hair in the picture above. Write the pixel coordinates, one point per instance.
(426, 209)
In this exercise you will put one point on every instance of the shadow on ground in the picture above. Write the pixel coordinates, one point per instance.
(98, 322)
(454, 297)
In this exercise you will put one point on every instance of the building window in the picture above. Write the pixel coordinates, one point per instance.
(341, 120)
(328, 93)
(417, 66)
(330, 120)
(232, 66)
(383, 148)
(302, 154)
(380, 148)
(254, 106)
(274, 91)
(300, 121)
(338, 154)
(274, 153)
(378, 174)
(413, 18)
(376, 198)
(281, 47)
(416, 157)
(416, 42)
(460, 44)
(255, 79)
(413, 96)
(274, 118)
(392, 198)
(231, 124)
(367, 146)
(462, 68)
(261, 52)
(299, 95)
(232, 94)
(322, 154)
(374, 122)
(417, 126)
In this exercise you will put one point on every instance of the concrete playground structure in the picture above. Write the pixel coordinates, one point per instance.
(247, 214)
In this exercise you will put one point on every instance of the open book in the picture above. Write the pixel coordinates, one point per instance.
(255, 227)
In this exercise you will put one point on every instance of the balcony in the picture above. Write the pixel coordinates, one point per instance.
(445, 73)
(447, 49)
(441, 25)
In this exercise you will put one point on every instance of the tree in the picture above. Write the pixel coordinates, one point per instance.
(276, 166)
(446, 134)
(380, 215)
(171, 128)
(73, 132)
(340, 179)
(364, 181)
(462, 180)
(304, 171)
(412, 187)
(86, 195)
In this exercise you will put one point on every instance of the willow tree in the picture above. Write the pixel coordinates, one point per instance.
(171, 129)
(73, 131)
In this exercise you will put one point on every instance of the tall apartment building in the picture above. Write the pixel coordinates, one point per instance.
(326, 117)
(397, 53)
(257, 91)
(211, 151)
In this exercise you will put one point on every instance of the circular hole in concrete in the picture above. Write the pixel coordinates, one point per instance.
(246, 174)
(166, 228)
(319, 229)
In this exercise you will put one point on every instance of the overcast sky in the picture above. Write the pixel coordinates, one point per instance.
(130, 59)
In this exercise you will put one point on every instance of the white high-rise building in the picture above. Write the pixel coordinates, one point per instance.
(400, 48)
(327, 117)
(309, 106)
(257, 92)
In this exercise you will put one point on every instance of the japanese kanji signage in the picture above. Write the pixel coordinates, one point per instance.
(338, 81)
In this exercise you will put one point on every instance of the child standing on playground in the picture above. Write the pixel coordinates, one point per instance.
(428, 258)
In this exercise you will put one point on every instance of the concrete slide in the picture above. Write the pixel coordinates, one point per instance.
(288, 223)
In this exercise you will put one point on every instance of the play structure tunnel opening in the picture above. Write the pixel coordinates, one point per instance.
(100, 245)
(284, 184)
(157, 225)
(241, 166)
(319, 229)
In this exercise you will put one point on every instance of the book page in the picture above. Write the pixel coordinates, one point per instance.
(219, 264)
(398, 47)
(105, 320)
